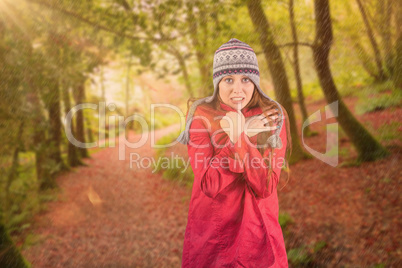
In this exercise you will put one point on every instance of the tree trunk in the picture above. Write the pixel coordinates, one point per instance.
(296, 68)
(363, 56)
(397, 76)
(90, 135)
(44, 177)
(43, 174)
(55, 125)
(373, 42)
(73, 157)
(13, 172)
(367, 147)
(102, 83)
(277, 70)
(10, 256)
(204, 67)
(385, 13)
(79, 96)
(130, 125)
(365, 59)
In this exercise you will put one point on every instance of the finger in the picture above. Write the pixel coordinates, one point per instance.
(274, 117)
(269, 128)
(260, 116)
(271, 112)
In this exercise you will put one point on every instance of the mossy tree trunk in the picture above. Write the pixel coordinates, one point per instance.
(45, 178)
(397, 75)
(55, 125)
(72, 151)
(296, 68)
(367, 146)
(385, 10)
(377, 53)
(79, 96)
(39, 136)
(200, 50)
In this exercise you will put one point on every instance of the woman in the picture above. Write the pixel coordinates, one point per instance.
(236, 144)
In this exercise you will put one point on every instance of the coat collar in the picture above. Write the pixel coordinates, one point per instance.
(247, 111)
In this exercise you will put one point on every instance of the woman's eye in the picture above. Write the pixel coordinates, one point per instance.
(246, 79)
(229, 80)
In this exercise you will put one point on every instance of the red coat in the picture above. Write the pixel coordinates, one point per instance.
(233, 215)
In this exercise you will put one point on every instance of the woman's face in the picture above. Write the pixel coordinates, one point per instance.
(236, 90)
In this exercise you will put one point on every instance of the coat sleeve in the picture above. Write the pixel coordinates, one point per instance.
(250, 161)
(212, 172)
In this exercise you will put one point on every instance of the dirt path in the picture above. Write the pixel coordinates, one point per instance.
(111, 215)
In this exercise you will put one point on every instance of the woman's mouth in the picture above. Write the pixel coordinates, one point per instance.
(237, 100)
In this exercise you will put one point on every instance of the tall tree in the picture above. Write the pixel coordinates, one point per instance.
(367, 146)
(54, 109)
(377, 53)
(385, 11)
(72, 152)
(200, 46)
(355, 37)
(397, 75)
(39, 136)
(13, 171)
(296, 67)
(277, 69)
(79, 96)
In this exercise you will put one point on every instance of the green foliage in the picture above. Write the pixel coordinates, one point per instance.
(306, 256)
(33, 239)
(173, 168)
(388, 132)
(312, 92)
(376, 96)
(284, 220)
(17, 221)
(176, 171)
(23, 198)
(299, 256)
(377, 103)
(319, 246)
(167, 139)
(162, 120)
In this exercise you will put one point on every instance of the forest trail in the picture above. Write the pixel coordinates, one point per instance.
(111, 215)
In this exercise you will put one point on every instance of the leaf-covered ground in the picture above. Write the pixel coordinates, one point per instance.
(111, 215)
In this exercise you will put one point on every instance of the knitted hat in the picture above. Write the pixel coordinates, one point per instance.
(233, 57)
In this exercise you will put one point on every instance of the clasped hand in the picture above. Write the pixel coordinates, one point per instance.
(234, 123)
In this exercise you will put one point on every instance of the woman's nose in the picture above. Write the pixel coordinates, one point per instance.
(237, 87)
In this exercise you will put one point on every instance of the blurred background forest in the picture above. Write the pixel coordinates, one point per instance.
(64, 206)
